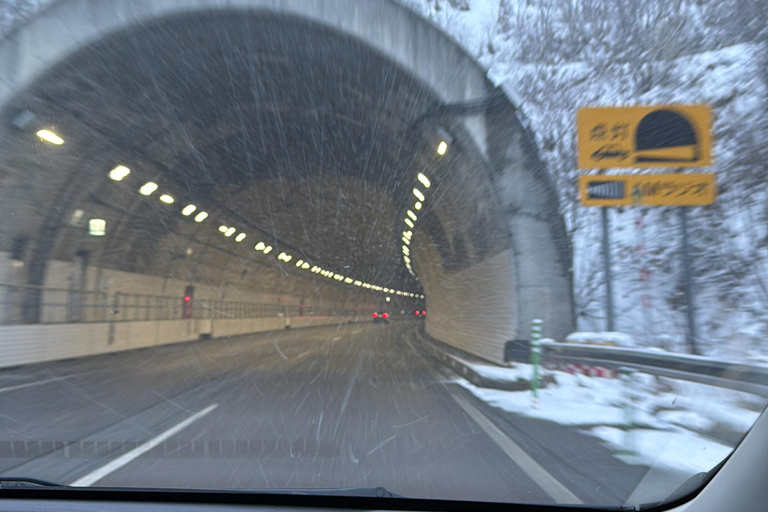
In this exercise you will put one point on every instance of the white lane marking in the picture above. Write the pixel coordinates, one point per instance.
(42, 382)
(110, 467)
(280, 352)
(548, 483)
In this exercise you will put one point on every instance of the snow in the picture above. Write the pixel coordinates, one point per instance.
(618, 339)
(673, 419)
(521, 371)
(682, 451)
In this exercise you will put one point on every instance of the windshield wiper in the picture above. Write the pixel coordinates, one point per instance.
(12, 482)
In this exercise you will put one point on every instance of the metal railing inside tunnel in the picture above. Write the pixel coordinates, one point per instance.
(57, 305)
(64, 305)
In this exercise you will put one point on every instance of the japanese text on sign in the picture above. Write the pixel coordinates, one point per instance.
(648, 190)
(659, 136)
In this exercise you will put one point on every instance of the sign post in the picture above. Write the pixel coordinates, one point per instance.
(690, 312)
(649, 137)
(607, 269)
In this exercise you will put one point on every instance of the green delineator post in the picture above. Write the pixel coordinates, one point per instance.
(535, 356)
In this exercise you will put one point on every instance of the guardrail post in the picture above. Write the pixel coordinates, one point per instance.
(627, 375)
(535, 357)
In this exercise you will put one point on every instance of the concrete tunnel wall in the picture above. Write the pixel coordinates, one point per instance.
(478, 308)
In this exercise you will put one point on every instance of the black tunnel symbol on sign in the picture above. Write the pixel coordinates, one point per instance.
(605, 190)
(666, 136)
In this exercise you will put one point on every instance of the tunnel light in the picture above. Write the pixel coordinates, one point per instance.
(305, 266)
(240, 237)
(388, 299)
(166, 199)
(119, 172)
(407, 234)
(442, 148)
(188, 210)
(358, 283)
(349, 280)
(409, 222)
(97, 227)
(299, 263)
(417, 206)
(223, 229)
(230, 232)
(260, 246)
(421, 296)
(147, 188)
(268, 249)
(412, 215)
(200, 217)
(407, 260)
(406, 241)
(49, 136)
(284, 257)
(330, 274)
(418, 194)
(406, 251)
(424, 180)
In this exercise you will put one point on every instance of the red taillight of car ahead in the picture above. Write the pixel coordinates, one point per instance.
(423, 313)
(385, 315)
(375, 315)
(416, 313)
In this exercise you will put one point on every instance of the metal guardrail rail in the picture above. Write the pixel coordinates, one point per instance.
(724, 374)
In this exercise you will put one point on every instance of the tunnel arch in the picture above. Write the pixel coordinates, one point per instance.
(479, 303)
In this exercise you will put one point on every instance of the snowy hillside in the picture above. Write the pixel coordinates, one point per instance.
(561, 55)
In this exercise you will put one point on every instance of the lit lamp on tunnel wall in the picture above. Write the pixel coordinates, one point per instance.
(188, 302)
(445, 140)
(97, 227)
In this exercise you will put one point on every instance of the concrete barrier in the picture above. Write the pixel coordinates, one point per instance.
(37, 343)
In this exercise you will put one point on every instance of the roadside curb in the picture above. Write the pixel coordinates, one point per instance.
(463, 368)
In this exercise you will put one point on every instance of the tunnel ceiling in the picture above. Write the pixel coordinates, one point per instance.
(286, 130)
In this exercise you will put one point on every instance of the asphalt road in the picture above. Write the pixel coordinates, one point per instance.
(347, 406)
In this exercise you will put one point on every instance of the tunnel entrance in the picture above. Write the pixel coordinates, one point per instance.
(303, 136)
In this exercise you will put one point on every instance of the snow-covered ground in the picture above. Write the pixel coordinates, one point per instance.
(676, 423)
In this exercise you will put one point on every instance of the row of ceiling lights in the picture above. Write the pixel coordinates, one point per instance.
(411, 217)
(121, 172)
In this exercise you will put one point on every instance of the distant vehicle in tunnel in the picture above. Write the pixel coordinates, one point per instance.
(420, 313)
(381, 317)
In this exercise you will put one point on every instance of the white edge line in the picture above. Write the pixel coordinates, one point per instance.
(43, 382)
(112, 466)
(548, 483)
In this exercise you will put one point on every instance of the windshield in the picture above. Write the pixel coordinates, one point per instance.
(497, 250)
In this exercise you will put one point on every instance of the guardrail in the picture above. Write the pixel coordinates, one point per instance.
(730, 375)
(57, 305)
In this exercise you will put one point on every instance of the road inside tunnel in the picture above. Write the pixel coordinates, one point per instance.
(342, 406)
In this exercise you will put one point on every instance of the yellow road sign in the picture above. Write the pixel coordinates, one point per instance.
(658, 136)
(648, 190)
